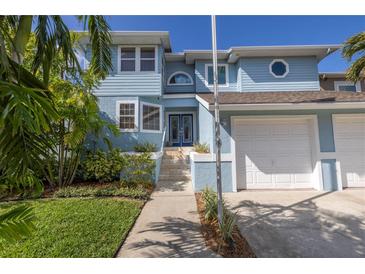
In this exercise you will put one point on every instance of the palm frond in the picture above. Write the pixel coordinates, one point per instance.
(356, 70)
(21, 38)
(100, 39)
(354, 45)
(17, 223)
(24, 120)
(53, 36)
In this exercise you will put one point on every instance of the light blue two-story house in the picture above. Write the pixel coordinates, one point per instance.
(279, 129)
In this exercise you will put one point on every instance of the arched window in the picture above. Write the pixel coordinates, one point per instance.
(180, 78)
(279, 68)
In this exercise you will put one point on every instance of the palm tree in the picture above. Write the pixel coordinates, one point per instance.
(26, 105)
(355, 47)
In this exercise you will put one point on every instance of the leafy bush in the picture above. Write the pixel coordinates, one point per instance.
(103, 166)
(201, 148)
(92, 191)
(139, 170)
(145, 147)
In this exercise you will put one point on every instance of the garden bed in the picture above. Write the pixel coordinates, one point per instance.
(210, 231)
(88, 189)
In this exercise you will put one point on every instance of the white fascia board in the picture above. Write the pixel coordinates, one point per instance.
(303, 106)
(178, 96)
(319, 51)
(209, 157)
(203, 102)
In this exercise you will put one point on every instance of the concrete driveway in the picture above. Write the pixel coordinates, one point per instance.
(302, 223)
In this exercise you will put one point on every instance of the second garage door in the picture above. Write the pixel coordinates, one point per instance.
(273, 153)
(350, 148)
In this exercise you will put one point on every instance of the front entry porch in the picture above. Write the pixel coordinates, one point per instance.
(180, 129)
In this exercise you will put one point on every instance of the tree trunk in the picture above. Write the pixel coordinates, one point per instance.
(61, 154)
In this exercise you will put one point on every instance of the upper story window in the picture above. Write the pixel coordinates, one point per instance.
(180, 78)
(127, 59)
(137, 59)
(222, 75)
(127, 114)
(147, 59)
(347, 86)
(279, 68)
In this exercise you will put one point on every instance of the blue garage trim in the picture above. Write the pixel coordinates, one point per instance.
(329, 175)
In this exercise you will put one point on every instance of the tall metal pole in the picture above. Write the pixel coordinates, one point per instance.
(217, 122)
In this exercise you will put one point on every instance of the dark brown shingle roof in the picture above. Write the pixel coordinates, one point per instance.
(284, 97)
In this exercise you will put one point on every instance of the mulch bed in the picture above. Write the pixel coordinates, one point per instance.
(210, 230)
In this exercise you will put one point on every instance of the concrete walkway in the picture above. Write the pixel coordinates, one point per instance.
(168, 226)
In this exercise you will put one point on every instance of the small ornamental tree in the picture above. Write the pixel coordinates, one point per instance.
(78, 117)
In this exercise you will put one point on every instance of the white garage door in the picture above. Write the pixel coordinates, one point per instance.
(350, 149)
(273, 153)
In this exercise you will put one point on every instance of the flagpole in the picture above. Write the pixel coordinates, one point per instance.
(217, 123)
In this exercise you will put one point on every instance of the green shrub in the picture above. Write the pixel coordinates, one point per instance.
(139, 170)
(92, 191)
(210, 200)
(227, 226)
(201, 148)
(210, 204)
(103, 166)
(145, 147)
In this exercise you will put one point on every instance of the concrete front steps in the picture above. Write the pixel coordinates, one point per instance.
(175, 169)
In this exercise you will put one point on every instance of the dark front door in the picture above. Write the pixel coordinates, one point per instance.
(181, 129)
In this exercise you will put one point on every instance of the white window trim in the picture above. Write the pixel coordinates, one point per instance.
(136, 118)
(180, 84)
(206, 75)
(285, 63)
(138, 59)
(345, 83)
(141, 118)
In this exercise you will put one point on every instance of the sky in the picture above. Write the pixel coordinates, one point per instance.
(194, 32)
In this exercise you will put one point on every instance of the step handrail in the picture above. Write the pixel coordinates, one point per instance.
(163, 139)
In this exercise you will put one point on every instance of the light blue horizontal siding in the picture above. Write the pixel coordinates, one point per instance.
(172, 67)
(200, 77)
(130, 84)
(254, 74)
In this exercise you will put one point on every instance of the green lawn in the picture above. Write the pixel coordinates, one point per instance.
(75, 227)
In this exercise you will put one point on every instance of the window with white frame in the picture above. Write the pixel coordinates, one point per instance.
(347, 86)
(127, 115)
(151, 117)
(137, 59)
(279, 68)
(180, 78)
(128, 59)
(222, 74)
(147, 59)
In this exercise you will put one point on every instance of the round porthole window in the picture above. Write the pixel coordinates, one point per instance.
(279, 68)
